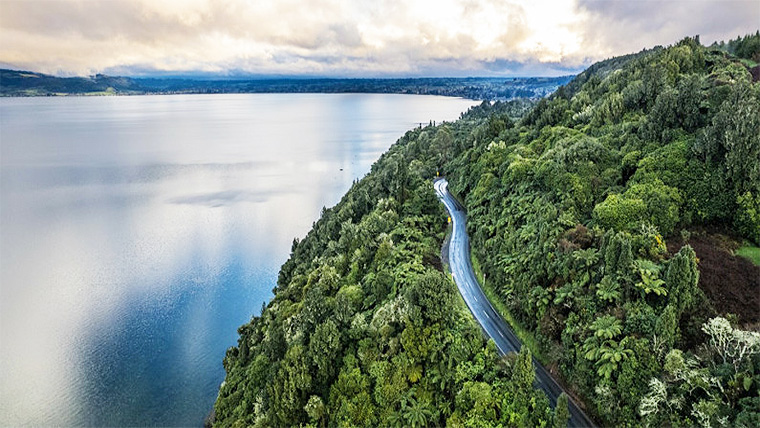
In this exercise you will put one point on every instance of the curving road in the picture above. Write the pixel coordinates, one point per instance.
(491, 322)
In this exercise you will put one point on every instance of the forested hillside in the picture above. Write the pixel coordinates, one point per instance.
(366, 330)
(14, 83)
(582, 214)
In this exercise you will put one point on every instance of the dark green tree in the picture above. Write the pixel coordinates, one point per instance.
(681, 279)
(522, 373)
(561, 412)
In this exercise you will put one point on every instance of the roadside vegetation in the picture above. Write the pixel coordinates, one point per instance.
(608, 221)
(365, 329)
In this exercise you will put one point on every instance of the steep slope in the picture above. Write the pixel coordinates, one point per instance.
(570, 213)
(492, 323)
(365, 329)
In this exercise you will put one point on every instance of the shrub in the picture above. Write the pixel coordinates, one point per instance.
(620, 213)
(747, 218)
(663, 203)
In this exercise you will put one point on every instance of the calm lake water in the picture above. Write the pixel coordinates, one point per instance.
(138, 233)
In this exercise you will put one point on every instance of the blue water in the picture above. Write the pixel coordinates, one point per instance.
(138, 233)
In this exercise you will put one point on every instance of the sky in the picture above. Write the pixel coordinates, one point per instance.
(350, 38)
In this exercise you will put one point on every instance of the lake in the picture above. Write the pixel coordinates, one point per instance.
(138, 233)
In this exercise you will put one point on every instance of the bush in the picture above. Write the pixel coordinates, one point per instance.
(747, 219)
(620, 213)
(663, 204)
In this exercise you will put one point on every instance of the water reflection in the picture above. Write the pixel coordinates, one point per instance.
(138, 233)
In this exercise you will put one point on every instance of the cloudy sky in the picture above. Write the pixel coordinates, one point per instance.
(350, 37)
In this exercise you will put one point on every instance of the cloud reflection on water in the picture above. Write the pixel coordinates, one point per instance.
(138, 233)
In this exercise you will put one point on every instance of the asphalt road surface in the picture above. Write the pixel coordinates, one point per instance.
(491, 322)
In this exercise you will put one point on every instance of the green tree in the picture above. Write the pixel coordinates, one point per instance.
(324, 347)
(587, 259)
(618, 255)
(608, 289)
(666, 327)
(607, 327)
(732, 141)
(432, 294)
(681, 279)
(663, 203)
(663, 117)
(620, 213)
(602, 349)
(350, 401)
(417, 413)
(478, 399)
(650, 282)
(290, 387)
(316, 410)
(611, 354)
(747, 218)
(561, 412)
(522, 373)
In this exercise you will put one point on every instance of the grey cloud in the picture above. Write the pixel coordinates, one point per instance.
(98, 20)
(91, 20)
(99, 34)
(348, 37)
(346, 34)
(635, 24)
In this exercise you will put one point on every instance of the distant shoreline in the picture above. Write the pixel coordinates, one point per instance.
(151, 94)
(15, 83)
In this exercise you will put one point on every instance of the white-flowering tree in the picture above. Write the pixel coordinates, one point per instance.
(655, 400)
(733, 345)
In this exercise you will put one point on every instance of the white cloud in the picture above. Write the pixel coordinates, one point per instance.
(347, 37)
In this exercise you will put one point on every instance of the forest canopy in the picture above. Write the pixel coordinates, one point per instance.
(605, 219)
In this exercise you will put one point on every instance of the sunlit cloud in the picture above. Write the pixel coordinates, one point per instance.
(350, 37)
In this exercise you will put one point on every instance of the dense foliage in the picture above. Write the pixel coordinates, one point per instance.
(366, 330)
(569, 211)
(746, 47)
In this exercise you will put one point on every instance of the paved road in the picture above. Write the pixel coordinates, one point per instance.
(493, 324)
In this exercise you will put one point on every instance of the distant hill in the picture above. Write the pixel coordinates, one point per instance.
(29, 84)
(26, 83)
(601, 69)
